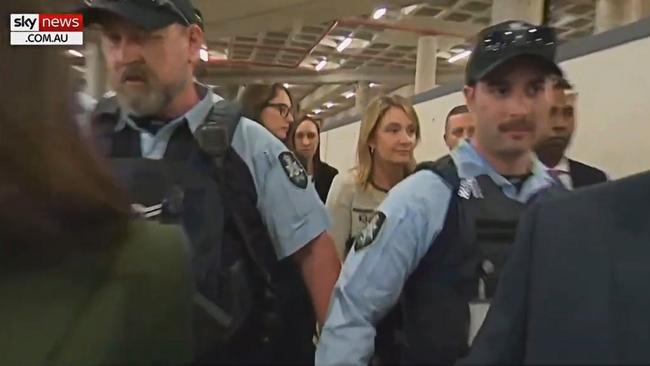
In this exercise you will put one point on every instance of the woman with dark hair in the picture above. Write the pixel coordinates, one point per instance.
(304, 140)
(270, 105)
(81, 281)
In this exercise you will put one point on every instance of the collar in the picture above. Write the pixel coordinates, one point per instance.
(194, 117)
(471, 164)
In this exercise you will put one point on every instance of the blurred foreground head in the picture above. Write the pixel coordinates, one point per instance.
(55, 194)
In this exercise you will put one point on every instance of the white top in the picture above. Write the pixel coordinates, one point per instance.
(350, 207)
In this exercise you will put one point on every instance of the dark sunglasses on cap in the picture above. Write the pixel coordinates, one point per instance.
(535, 37)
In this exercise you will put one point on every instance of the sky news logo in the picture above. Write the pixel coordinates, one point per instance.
(46, 29)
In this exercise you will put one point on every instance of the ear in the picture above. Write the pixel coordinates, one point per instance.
(470, 96)
(196, 41)
(372, 143)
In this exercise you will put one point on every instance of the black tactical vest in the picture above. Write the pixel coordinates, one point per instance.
(462, 266)
(250, 308)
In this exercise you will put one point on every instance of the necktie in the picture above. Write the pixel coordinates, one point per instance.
(556, 174)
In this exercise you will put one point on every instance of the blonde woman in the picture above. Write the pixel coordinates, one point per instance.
(389, 132)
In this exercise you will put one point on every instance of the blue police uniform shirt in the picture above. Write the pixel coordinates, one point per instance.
(293, 215)
(372, 277)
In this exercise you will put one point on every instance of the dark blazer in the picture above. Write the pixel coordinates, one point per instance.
(323, 179)
(575, 289)
(584, 175)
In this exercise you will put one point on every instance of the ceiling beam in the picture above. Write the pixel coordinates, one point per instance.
(277, 15)
(336, 120)
(224, 76)
(321, 95)
(463, 30)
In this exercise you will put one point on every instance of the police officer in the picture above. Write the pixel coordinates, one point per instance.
(459, 125)
(438, 241)
(242, 193)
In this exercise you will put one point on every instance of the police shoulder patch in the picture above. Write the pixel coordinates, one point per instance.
(369, 233)
(293, 169)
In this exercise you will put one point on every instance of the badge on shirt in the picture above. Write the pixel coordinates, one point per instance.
(294, 171)
(469, 188)
(369, 233)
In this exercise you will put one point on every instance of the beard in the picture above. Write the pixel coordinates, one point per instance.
(553, 145)
(150, 96)
(551, 150)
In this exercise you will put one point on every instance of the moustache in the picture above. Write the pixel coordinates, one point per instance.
(518, 125)
(137, 72)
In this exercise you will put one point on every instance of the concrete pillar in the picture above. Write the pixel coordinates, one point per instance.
(531, 11)
(95, 70)
(615, 13)
(425, 65)
(609, 14)
(362, 95)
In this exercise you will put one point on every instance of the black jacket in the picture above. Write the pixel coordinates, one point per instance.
(575, 289)
(584, 175)
(323, 179)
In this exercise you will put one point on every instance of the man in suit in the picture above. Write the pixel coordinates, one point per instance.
(459, 125)
(554, 139)
(575, 289)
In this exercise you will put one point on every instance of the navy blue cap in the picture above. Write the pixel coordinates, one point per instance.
(145, 14)
(504, 41)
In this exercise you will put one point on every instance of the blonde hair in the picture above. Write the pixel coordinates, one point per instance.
(373, 114)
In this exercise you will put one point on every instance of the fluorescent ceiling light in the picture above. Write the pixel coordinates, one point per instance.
(459, 56)
(75, 53)
(346, 42)
(409, 9)
(286, 85)
(378, 13)
(372, 85)
(329, 105)
(317, 111)
(321, 64)
(348, 94)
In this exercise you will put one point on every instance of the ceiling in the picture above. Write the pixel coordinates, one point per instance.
(284, 41)
(287, 41)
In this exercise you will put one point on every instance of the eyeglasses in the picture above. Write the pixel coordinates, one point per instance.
(528, 37)
(281, 107)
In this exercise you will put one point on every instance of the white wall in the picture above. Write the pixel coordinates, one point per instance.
(339, 146)
(613, 114)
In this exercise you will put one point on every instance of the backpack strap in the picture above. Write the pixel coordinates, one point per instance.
(215, 135)
(445, 168)
(214, 138)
